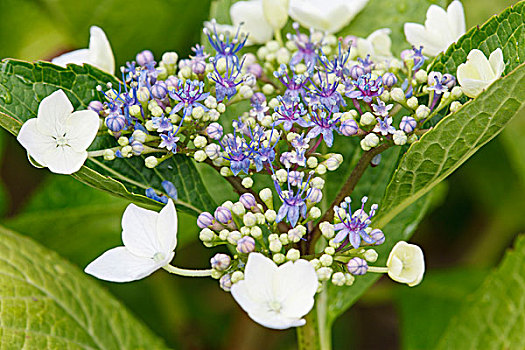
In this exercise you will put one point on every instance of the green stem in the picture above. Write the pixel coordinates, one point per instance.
(316, 333)
(187, 273)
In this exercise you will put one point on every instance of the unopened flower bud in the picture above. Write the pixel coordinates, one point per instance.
(237, 276)
(234, 237)
(249, 219)
(225, 282)
(247, 182)
(315, 213)
(357, 266)
(389, 79)
(200, 156)
(248, 200)
(213, 151)
(369, 141)
(266, 194)
(378, 236)
(275, 246)
(270, 215)
(329, 250)
(448, 80)
(312, 162)
(223, 215)
(326, 260)
(137, 147)
(206, 235)
(421, 76)
(454, 106)
(204, 220)
(367, 119)
(321, 169)
(397, 95)
(246, 245)
(96, 106)
(399, 138)
(256, 232)
(151, 162)
(412, 102)
(349, 279)
(159, 90)
(338, 279)
(109, 154)
(356, 71)
(144, 57)
(238, 209)
(293, 255)
(214, 131)
(348, 127)
(422, 112)
(279, 258)
(327, 229)
(408, 124)
(220, 262)
(115, 122)
(371, 255)
(200, 141)
(324, 273)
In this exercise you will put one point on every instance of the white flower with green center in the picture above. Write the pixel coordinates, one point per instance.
(149, 241)
(406, 264)
(276, 296)
(99, 53)
(441, 28)
(478, 72)
(58, 138)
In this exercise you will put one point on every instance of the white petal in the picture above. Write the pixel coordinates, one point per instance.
(251, 13)
(258, 275)
(381, 42)
(52, 113)
(120, 265)
(36, 143)
(276, 321)
(64, 160)
(167, 227)
(479, 61)
(497, 63)
(472, 87)
(139, 231)
(417, 35)
(456, 19)
(81, 129)
(100, 53)
(329, 16)
(77, 57)
(295, 284)
(436, 18)
(276, 12)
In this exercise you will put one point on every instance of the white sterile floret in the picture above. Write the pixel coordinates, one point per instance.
(251, 15)
(276, 296)
(99, 53)
(406, 264)
(58, 137)
(327, 16)
(441, 28)
(149, 241)
(478, 72)
(377, 45)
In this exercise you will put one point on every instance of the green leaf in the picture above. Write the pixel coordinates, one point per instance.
(379, 14)
(49, 304)
(451, 142)
(492, 317)
(426, 310)
(505, 31)
(23, 85)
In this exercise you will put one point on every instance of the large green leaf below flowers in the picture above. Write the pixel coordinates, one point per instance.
(23, 85)
(51, 305)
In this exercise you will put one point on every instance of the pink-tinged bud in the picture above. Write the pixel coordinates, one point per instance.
(258, 98)
(214, 131)
(248, 200)
(389, 79)
(449, 81)
(220, 262)
(144, 57)
(408, 124)
(255, 69)
(378, 236)
(223, 215)
(159, 90)
(315, 195)
(205, 220)
(225, 282)
(96, 106)
(356, 71)
(198, 67)
(246, 245)
(357, 266)
(172, 81)
(348, 127)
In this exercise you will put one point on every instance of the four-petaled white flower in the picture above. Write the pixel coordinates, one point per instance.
(330, 16)
(58, 138)
(478, 72)
(99, 53)
(149, 241)
(406, 264)
(276, 296)
(441, 28)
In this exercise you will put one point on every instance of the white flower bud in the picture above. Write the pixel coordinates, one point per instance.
(273, 102)
(237, 276)
(324, 273)
(293, 255)
(317, 182)
(206, 235)
(399, 138)
(233, 237)
(326, 260)
(221, 107)
(200, 141)
(369, 141)
(338, 279)
(135, 110)
(371, 255)
(225, 171)
(151, 162)
(456, 92)
(238, 209)
(315, 213)
(249, 219)
(312, 162)
(270, 215)
(367, 119)
(200, 156)
(215, 274)
(220, 262)
(283, 238)
(149, 125)
(275, 246)
(315, 263)
(282, 175)
(329, 250)
(454, 106)
(247, 182)
(327, 229)
(349, 279)
(157, 111)
(256, 232)
(385, 96)
(279, 258)
(213, 151)
(321, 169)
(412, 102)
(397, 95)
(421, 76)
(123, 141)
(245, 231)
(267, 121)
(422, 112)
(109, 154)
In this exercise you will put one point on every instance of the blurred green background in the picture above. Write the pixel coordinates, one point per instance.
(478, 217)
